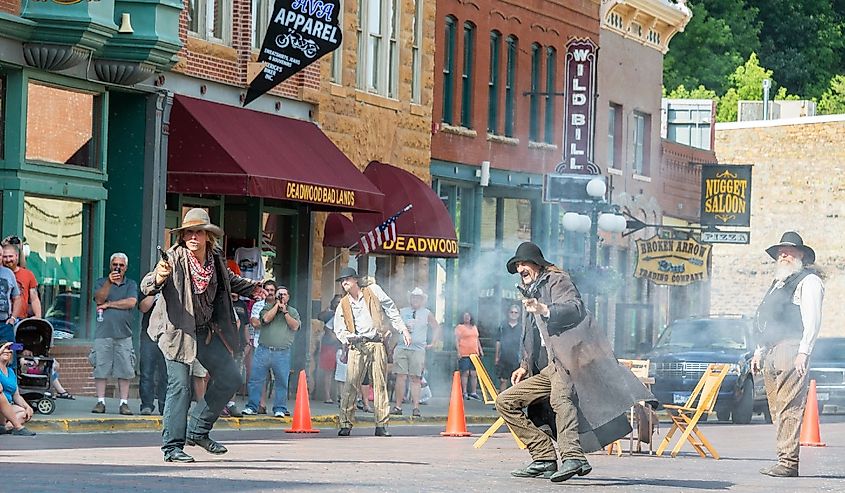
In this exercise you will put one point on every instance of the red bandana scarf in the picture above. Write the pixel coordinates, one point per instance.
(200, 274)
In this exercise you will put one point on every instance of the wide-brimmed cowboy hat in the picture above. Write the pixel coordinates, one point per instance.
(527, 252)
(198, 219)
(417, 292)
(346, 272)
(793, 239)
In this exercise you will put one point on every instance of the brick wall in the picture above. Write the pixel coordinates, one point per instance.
(798, 184)
(74, 371)
(10, 6)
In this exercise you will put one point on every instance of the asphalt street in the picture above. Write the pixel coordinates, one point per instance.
(416, 458)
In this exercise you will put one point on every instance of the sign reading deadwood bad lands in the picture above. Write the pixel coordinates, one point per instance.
(672, 262)
(726, 195)
(300, 32)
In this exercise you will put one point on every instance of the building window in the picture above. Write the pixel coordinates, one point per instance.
(2, 119)
(689, 124)
(534, 98)
(63, 126)
(378, 54)
(510, 86)
(466, 76)
(493, 82)
(449, 69)
(551, 68)
(416, 53)
(614, 136)
(207, 19)
(642, 129)
(336, 74)
(262, 10)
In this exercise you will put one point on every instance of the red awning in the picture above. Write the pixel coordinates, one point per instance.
(426, 230)
(339, 231)
(218, 149)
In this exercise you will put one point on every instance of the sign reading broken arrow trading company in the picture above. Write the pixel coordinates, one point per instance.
(581, 63)
(672, 262)
(726, 195)
(300, 32)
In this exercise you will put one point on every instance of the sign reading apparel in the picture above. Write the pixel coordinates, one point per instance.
(726, 195)
(300, 32)
(672, 262)
(580, 107)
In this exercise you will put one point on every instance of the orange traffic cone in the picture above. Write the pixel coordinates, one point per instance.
(456, 423)
(302, 409)
(810, 436)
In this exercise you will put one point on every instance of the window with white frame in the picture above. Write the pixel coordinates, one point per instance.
(614, 136)
(416, 53)
(211, 20)
(378, 47)
(262, 10)
(642, 128)
(336, 75)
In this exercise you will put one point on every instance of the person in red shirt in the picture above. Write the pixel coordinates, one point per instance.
(26, 282)
(467, 343)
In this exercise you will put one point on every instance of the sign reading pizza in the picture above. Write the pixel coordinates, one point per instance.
(672, 262)
(726, 195)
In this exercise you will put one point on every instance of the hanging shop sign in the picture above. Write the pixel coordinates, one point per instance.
(300, 32)
(726, 195)
(672, 262)
(580, 107)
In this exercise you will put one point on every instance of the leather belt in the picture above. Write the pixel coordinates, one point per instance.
(273, 348)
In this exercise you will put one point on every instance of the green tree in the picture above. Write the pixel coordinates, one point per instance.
(801, 41)
(746, 84)
(682, 92)
(720, 36)
(833, 100)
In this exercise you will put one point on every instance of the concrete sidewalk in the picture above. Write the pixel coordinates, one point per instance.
(75, 416)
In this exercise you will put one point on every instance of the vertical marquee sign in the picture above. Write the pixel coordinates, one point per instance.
(580, 108)
(726, 195)
(300, 32)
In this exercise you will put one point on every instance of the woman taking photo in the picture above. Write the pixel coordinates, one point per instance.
(467, 343)
(13, 407)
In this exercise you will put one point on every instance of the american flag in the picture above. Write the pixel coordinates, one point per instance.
(385, 231)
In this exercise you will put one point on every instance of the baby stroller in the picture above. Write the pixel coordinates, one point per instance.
(35, 375)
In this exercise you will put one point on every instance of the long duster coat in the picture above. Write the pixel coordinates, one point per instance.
(575, 344)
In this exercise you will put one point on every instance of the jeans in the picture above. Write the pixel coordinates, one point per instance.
(223, 382)
(152, 383)
(264, 359)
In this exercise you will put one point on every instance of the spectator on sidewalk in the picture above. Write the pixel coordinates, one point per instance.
(279, 324)
(508, 344)
(468, 343)
(113, 355)
(255, 322)
(14, 409)
(409, 359)
(27, 284)
(10, 303)
(152, 384)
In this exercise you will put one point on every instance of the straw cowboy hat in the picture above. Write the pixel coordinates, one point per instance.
(527, 252)
(417, 292)
(198, 219)
(793, 239)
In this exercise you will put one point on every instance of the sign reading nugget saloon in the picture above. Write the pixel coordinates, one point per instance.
(726, 195)
(672, 262)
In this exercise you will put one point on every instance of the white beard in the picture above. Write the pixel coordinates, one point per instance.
(784, 269)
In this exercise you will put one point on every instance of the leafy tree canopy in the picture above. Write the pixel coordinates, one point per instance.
(746, 83)
(832, 101)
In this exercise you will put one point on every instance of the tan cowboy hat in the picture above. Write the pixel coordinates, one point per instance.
(198, 219)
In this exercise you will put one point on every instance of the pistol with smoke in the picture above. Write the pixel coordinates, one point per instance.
(530, 291)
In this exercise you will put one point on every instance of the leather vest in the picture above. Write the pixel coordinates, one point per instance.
(778, 318)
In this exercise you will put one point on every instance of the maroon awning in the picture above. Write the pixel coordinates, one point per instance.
(218, 149)
(339, 231)
(426, 230)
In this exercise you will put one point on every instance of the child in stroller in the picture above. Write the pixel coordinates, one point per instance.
(35, 365)
(37, 370)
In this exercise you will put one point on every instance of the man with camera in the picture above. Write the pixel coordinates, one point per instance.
(279, 324)
(113, 355)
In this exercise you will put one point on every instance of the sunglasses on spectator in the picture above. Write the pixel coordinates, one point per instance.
(13, 240)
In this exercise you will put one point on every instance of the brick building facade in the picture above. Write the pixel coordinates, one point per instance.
(797, 184)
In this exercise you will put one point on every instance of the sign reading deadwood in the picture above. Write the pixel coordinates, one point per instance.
(300, 32)
(672, 262)
(726, 195)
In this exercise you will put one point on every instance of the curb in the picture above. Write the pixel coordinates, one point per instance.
(154, 423)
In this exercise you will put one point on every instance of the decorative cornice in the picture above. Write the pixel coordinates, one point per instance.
(53, 57)
(122, 72)
(653, 23)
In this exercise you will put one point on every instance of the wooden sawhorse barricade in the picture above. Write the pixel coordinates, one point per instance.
(489, 394)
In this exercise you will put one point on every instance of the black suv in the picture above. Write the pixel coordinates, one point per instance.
(687, 346)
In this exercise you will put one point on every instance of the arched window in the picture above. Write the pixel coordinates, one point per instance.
(494, 85)
(534, 98)
(449, 69)
(466, 76)
(510, 86)
(551, 75)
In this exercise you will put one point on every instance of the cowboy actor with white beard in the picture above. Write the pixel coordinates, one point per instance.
(788, 321)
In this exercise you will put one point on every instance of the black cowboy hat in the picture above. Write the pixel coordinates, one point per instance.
(346, 272)
(527, 252)
(793, 239)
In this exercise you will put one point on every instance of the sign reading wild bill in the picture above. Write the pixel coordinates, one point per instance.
(726, 195)
(672, 262)
(580, 107)
(300, 32)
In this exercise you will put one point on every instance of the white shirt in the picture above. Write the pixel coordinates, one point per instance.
(809, 296)
(361, 314)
